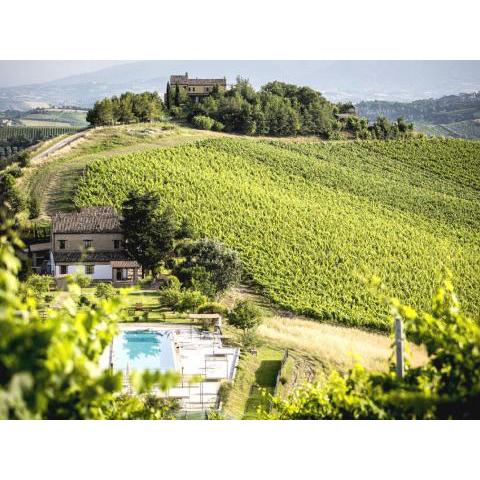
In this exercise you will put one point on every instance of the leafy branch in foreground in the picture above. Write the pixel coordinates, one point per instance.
(446, 387)
(49, 361)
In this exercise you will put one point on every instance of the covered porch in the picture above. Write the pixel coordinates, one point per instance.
(125, 272)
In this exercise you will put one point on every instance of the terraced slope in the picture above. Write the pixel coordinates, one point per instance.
(311, 219)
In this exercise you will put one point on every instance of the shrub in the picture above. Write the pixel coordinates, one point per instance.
(170, 281)
(48, 298)
(224, 391)
(202, 122)
(249, 339)
(15, 171)
(82, 280)
(189, 301)
(213, 307)
(218, 126)
(105, 290)
(23, 159)
(245, 315)
(176, 112)
(145, 281)
(39, 285)
(9, 193)
(169, 297)
(33, 207)
(84, 300)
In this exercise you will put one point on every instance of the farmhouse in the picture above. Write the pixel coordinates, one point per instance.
(90, 241)
(198, 87)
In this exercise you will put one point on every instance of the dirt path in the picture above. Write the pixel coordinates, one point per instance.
(56, 170)
(55, 148)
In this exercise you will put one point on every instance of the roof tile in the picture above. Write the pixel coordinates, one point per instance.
(88, 220)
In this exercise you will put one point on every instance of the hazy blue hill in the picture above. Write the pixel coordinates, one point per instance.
(455, 116)
(338, 80)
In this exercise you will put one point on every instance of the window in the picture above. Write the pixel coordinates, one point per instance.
(63, 269)
(193, 88)
(87, 244)
(206, 89)
(62, 244)
(89, 269)
(116, 244)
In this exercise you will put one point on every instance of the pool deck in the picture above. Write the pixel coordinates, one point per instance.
(196, 353)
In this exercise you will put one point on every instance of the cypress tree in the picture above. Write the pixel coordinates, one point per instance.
(177, 95)
(167, 96)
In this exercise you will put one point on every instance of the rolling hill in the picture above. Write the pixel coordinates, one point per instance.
(310, 220)
(456, 116)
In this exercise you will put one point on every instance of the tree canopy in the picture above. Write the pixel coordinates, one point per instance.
(127, 108)
(149, 233)
(222, 264)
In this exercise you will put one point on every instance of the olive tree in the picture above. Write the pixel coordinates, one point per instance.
(222, 265)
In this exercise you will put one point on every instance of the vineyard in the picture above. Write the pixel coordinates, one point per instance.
(311, 221)
(34, 133)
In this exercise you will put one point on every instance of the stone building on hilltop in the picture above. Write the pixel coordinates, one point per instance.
(197, 88)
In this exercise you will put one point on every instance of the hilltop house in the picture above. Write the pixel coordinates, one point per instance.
(197, 87)
(90, 241)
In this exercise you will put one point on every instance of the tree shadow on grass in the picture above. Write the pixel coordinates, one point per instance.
(144, 293)
(265, 378)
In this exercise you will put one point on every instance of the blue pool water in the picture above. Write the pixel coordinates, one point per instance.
(144, 350)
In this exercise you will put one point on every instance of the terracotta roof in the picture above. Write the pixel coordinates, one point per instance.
(124, 264)
(207, 81)
(178, 79)
(184, 80)
(87, 220)
(91, 257)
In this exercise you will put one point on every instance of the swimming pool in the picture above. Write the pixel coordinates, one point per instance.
(143, 350)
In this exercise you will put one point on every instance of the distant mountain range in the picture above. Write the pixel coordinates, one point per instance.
(337, 80)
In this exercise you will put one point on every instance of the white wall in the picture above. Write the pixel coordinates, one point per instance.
(100, 272)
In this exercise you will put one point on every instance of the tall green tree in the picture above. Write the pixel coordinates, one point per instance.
(149, 232)
(177, 95)
(10, 194)
(168, 97)
(222, 263)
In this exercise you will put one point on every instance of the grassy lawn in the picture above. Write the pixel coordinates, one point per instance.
(149, 301)
(254, 373)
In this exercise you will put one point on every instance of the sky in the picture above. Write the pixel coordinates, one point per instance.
(21, 72)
